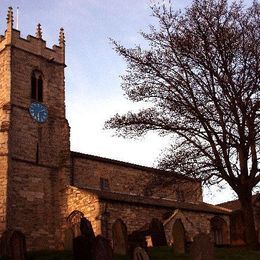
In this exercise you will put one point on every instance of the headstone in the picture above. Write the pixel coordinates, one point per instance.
(76, 229)
(82, 248)
(82, 245)
(18, 246)
(140, 254)
(68, 239)
(73, 222)
(5, 243)
(86, 229)
(119, 233)
(157, 233)
(137, 239)
(101, 249)
(178, 234)
(202, 248)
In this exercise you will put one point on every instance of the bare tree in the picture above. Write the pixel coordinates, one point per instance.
(200, 77)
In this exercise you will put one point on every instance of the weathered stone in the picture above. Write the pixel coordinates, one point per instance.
(119, 234)
(101, 249)
(140, 254)
(178, 234)
(68, 239)
(202, 248)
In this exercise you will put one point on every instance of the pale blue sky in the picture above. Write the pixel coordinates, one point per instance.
(93, 91)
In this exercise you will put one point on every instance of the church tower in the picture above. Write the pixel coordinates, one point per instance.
(34, 137)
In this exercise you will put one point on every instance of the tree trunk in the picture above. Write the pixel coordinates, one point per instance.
(249, 222)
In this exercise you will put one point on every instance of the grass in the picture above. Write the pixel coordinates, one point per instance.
(161, 253)
(237, 254)
(166, 253)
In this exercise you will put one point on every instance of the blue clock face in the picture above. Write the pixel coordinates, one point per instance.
(38, 112)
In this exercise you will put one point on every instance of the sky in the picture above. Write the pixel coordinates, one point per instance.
(92, 76)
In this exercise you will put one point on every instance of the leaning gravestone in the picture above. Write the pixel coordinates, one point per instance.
(18, 246)
(178, 234)
(157, 233)
(82, 245)
(202, 248)
(140, 254)
(101, 249)
(119, 233)
(86, 229)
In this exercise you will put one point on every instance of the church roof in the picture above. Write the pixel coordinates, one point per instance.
(156, 202)
(235, 204)
(129, 165)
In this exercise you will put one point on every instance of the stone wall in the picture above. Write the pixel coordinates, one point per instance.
(85, 202)
(138, 217)
(5, 82)
(130, 179)
(3, 191)
(134, 216)
(103, 213)
(194, 223)
(32, 207)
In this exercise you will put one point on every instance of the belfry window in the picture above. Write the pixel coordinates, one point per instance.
(36, 86)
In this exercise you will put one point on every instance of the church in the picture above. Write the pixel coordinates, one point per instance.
(46, 188)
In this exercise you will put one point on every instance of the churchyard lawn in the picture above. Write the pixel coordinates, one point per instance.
(162, 253)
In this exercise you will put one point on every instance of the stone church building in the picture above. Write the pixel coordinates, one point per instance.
(46, 188)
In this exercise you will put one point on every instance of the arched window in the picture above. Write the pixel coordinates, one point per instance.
(219, 230)
(36, 86)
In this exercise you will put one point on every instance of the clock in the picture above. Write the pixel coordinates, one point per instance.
(38, 112)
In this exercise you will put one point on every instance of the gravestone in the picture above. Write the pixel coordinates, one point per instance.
(18, 246)
(82, 248)
(4, 243)
(178, 234)
(73, 222)
(119, 233)
(137, 239)
(82, 245)
(76, 229)
(86, 229)
(157, 233)
(140, 254)
(68, 239)
(101, 249)
(202, 248)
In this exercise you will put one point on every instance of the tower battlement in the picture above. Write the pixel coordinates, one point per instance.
(33, 44)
